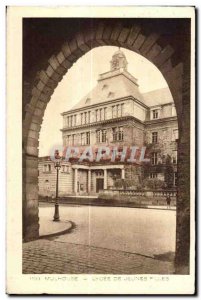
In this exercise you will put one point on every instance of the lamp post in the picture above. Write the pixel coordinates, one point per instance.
(57, 165)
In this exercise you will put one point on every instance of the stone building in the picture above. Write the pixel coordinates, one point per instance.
(115, 114)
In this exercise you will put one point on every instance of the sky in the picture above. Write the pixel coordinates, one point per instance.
(81, 78)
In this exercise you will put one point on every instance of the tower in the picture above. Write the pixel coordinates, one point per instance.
(118, 61)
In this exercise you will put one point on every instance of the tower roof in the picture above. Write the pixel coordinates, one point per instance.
(115, 84)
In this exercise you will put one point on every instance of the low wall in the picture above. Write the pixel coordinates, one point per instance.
(139, 197)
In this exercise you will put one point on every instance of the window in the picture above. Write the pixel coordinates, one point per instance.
(83, 138)
(71, 121)
(118, 110)
(101, 136)
(101, 114)
(153, 175)
(98, 136)
(104, 135)
(65, 169)
(70, 140)
(87, 138)
(97, 119)
(89, 116)
(85, 117)
(118, 134)
(87, 101)
(122, 109)
(110, 94)
(154, 137)
(81, 118)
(175, 178)
(75, 120)
(174, 134)
(154, 158)
(47, 168)
(73, 139)
(105, 113)
(114, 113)
(174, 157)
(114, 133)
(173, 111)
(155, 114)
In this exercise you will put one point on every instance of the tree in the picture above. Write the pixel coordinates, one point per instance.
(153, 183)
(169, 173)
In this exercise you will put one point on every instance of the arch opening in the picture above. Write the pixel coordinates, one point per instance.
(47, 81)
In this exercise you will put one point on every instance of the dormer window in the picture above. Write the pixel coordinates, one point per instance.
(87, 101)
(155, 114)
(105, 86)
(110, 95)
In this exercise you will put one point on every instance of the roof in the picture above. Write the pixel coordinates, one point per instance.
(111, 86)
(158, 97)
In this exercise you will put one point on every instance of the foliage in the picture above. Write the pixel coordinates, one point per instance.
(169, 173)
(153, 183)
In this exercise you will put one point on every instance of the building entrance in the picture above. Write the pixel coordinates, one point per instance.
(99, 184)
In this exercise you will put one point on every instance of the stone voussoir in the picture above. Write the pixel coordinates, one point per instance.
(81, 43)
(149, 42)
(164, 55)
(99, 33)
(67, 52)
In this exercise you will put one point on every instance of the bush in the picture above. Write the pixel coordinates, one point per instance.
(153, 183)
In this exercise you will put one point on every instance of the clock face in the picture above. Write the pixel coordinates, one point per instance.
(115, 63)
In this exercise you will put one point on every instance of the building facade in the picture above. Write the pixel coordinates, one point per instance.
(116, 115)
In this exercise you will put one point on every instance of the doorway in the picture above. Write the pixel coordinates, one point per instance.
(99, 184)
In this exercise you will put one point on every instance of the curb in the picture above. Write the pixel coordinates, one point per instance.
(68, 230)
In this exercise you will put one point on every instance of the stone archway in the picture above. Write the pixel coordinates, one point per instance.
(177, 75)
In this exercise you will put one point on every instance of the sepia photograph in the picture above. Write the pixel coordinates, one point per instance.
(106, 174)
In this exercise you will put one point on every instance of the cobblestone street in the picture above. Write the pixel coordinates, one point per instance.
(103, 240)
(53, 257)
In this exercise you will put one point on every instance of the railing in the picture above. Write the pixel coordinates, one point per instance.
(145, 193)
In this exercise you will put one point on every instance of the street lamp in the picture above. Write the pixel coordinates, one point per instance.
(57, 165)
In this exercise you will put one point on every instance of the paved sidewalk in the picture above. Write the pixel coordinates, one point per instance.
(48, 227)
(48, 256)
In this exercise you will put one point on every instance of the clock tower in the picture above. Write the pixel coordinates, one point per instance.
(118, 61)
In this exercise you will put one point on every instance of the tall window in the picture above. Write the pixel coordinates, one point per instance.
(98, 136)
(174, 134)
(73, 139)
(105, 113)
(85, 117)
(173, 111)
(65, 169)
(118, 110)
(153, 175)
(75, 120)
(104, 135)
(87, 138)
(174, 157)
(175, 178)
(118, 134)
(83, 138)
(81, 118)
(154, 158)
(89, 116)
(114, 112)
(47, 168)
(155, 113)
(154, 137)
(97, 119)
(122, 109)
